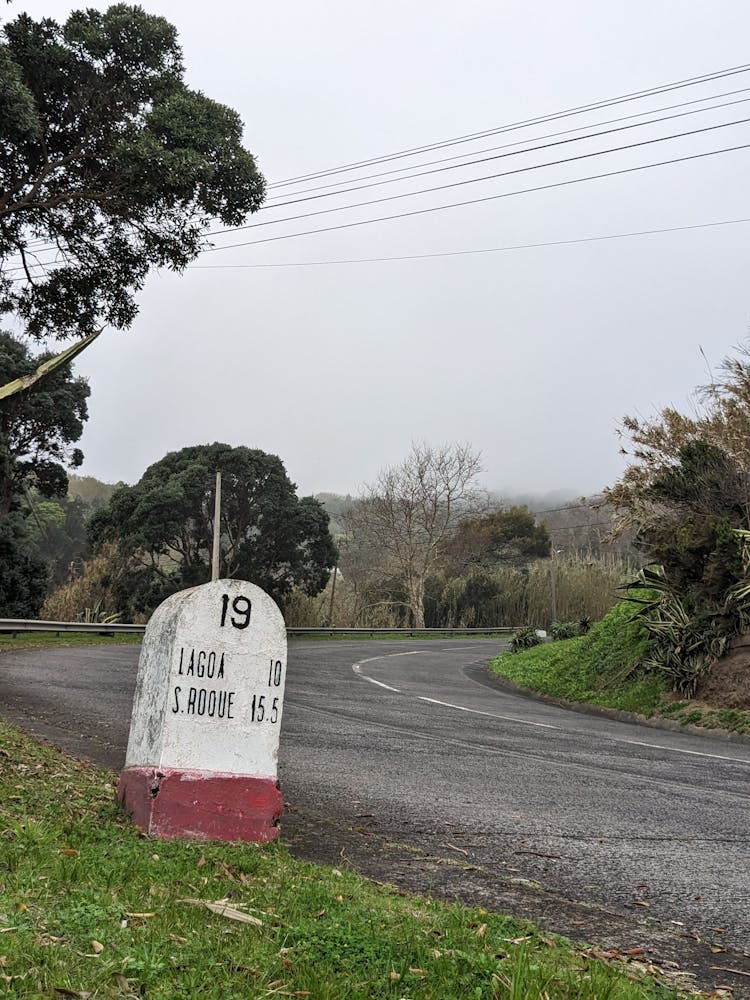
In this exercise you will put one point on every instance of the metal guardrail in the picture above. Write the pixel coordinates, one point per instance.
(98, 628)
(15, 625)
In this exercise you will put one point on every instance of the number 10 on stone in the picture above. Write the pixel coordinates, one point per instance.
(204, 735)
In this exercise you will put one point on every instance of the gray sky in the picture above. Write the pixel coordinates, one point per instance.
(534, 355)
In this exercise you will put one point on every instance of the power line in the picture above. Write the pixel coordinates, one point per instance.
(571, 527)
(466, 253)
(548, 135)
(477, 201)
(474, 201)
(692, 81)
(486, 177)
(484, 250)
(498, 156)
(589, 135)
(567, 113)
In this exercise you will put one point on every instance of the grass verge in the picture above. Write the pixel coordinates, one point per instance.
(91, 908)
(41, 640)
(601, 668)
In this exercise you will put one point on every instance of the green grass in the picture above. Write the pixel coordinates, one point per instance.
(597, 668)
(601, 668)
(41, 640)
(89, 907)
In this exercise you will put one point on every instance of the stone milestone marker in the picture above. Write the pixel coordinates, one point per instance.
(204, 735)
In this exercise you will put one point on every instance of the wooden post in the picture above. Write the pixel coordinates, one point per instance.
(333, 590)
(216, 554)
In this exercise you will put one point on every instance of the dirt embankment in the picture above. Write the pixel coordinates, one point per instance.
(727, 684)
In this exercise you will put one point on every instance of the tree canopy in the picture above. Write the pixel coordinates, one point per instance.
(109, 165)
(38, 430)
(500, 536)
(38, 427)
(408, 515)
(164, 526)
(687, 494)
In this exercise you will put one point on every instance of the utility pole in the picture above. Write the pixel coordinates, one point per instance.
(333, 591)
(216, 554)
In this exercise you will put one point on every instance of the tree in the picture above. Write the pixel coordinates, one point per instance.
(687, 495)
(501, 536)
(38, 427)
(23, 573)
(109, 165)
(411, 511)
(164, 525)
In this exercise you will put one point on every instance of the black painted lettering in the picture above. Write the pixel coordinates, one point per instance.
(221, 706)
(202, 701)
(241, 607)
(275, 711)
(182, 654)
(274, 673)
(220, 672)
(176, 706)
(191, 665)
(230, 705)
(211, 664)
(201, 664)
(211, 704)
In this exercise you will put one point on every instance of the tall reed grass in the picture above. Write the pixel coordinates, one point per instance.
(567, 588)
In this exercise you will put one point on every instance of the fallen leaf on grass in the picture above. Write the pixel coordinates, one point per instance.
(548, 941)
(640, 902)
(319, 914)
(518, 940)
(224, 910)
(418, 972)
(481, 931)
(735, 972)
(395, 976)
(68, 852)
(65, 992)
(452, 847)
(97, 946)
(201, 861)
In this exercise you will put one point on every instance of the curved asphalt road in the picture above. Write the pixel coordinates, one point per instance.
(411, 742)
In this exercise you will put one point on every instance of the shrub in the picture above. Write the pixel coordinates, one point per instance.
(524, 639)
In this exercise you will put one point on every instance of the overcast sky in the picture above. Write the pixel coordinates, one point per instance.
(532, 355)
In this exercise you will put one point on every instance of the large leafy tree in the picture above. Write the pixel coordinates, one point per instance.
(38, 427)
(109, 165)
(164, 526)
(38, 431)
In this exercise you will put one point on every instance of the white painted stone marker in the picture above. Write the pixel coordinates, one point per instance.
(204, 735)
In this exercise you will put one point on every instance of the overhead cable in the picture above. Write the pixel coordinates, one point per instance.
(539, 119)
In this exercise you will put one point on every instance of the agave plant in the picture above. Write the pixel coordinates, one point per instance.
(98, 616)
(685, 641)
(525, 638)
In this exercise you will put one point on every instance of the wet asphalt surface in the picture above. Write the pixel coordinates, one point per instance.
(405, 761)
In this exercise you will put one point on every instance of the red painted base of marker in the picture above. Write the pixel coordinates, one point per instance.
(201, 805)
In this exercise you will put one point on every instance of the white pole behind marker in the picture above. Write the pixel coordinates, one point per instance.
(216, 554)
